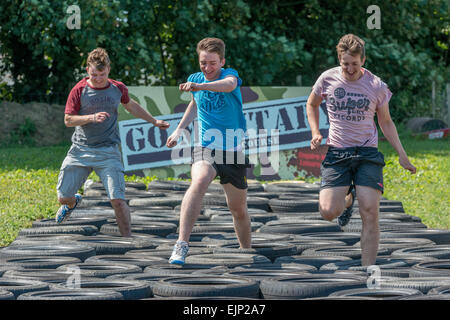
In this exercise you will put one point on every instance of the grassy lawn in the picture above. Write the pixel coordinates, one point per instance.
(28, 179)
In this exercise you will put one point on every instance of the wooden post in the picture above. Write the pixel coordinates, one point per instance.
(433, 99)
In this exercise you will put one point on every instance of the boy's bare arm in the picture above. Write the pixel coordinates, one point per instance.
(312, 113)
(73, 120)
(224, 85)
(188, 117)
(136, 110)
(390, 132)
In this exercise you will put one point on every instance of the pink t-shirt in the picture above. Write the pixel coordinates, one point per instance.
(351, 106)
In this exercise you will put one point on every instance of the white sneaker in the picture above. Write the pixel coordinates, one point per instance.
(179, 253)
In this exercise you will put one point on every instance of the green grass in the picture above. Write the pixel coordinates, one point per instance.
(28, 177)
(425, 194)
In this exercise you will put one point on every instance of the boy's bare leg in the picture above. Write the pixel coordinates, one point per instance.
(237, 203)
(202, 174)
(369, 202)
(333, 201)
(123, 217)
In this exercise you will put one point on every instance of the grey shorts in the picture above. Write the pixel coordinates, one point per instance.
(231, 167)
(362, 166)
(79, 163)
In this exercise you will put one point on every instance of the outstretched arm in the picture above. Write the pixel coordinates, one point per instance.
(224, 85)
(136, 110)
(188, 117)
(390, 132)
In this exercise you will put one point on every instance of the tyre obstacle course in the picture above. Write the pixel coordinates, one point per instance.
(295, 254)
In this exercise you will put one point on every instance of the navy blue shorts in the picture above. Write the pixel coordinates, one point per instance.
(361, 166)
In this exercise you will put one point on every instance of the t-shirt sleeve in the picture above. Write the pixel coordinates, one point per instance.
(231, 72)
(317, 89)
(73, 103)
(124, 90)
(383, 95)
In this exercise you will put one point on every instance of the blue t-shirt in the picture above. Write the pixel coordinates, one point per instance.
(220, 117)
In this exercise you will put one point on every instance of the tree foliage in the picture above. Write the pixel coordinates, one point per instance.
(270, 43)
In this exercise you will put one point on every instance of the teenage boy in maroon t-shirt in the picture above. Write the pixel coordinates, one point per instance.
(92, 108)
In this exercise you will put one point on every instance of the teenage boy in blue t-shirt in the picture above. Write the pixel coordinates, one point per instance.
(217, 100)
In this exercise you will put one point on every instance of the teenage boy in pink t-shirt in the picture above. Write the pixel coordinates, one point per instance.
(353, 165)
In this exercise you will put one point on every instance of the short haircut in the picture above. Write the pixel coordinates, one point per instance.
(352, 45)
(98, 58)
(212, 45)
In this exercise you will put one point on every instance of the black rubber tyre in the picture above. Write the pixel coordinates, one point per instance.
(303, 205)
(100, 270)
(73, 221)
(437, 251)
(299, 227)
(166, 269)
(269, 250)
(201, 227)
(69, 249)
(168, 185)
(104, 244)
(308, 286)
(86, 230)
(424, 284)
(436, 235)
(161, 229)
(227, 260)
(355, 264)
(316, 261)
(75, 294)
(381, 294)
(171, 201)
(260, 274)
(204, 286)
(20, 286)
(6, 295)
(440, 268)
(393, 244)
(39, 262)
(440, 290)
(129, 289)
(350, 238)
(42, 275)
(351, 252)
(137, 260)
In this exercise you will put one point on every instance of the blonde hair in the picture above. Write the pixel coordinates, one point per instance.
(212, 45)
(98, 58)
(352, 45)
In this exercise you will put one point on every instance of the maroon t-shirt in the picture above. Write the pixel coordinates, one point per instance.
(84, 99)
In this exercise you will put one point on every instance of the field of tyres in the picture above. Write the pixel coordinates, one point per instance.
(295, 253)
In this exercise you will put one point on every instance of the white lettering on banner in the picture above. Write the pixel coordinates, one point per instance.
(271, 126)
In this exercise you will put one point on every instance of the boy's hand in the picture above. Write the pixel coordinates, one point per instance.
(173, 139)
(161, 124)
(189, 86)
(405, 163)
(99, 117)
(316, 141)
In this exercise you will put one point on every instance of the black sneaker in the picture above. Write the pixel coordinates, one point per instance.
(344, 218)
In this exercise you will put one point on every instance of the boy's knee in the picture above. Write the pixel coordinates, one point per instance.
(329, 212)
(118, 204)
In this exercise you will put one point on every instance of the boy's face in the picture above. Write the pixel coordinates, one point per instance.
(210, 64)
(98, 78)
(351, 66)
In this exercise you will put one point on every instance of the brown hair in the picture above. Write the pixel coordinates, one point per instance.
(212, 45)
(98, 58)
(352, 45)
